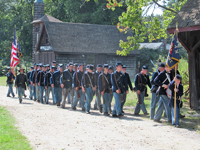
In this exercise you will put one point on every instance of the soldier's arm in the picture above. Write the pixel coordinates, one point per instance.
(136, 82)
(129, 82)
(157, 80)
(148, 82)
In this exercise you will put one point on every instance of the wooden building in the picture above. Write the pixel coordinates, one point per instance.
(77, 42)
(188, 20)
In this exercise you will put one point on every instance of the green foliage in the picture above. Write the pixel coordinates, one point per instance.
(3, 80)
(134, 19)
(79, 11)
(10, 137)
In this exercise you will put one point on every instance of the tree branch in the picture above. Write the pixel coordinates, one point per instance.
(164, 7)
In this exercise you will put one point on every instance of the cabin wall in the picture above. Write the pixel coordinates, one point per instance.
(129, 61)
(44, 57)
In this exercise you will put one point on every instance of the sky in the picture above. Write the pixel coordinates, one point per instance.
(155, 9)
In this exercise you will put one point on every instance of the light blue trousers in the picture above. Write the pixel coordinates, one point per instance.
(106, 98)
(42, 89)
(89, 98)
(163, 104)
(20, 92)
(140, 106)
(10, 89)
(154, 101)
(76, 99)
(177, 115)
(117, 107)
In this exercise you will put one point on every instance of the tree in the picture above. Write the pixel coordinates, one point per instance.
(134, 19)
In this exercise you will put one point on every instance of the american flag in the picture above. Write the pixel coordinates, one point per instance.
(15, 53)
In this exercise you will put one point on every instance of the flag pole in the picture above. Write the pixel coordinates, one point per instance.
(175, 80)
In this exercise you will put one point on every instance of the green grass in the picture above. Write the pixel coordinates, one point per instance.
(10, 137)
(3, 81)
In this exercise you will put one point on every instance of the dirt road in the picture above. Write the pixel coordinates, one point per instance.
(48, 127)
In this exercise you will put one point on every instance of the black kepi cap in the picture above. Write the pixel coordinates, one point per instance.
(145, 67)
(178, 76)
(105, 66)
(118, 64)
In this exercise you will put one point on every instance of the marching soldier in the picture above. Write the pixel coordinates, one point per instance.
(97, 104)
(141, 80)
(119, 86)
(88, 86)
(129, 84)
(48, 68)
(40, 81)
(162, 80)
(35, 84)
(155, 98)
(110, 71)
(66, 84)
(104, 85)
(55, 84)
(29, 82)
(32, 81)
(78, 94)
(10, 78)
(179, 93)
(20, 84)
(48, 87)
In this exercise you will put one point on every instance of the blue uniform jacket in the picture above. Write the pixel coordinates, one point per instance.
(89, 79)
(178, 94)
(77, 83)
(40, 78)
(121, 82)
(9, 77)
(143, 81)
(47, 77)
(128, 80)
(55, 79)
(154, 86)
(34, 77)
(106, 84)
(67, 78)
(159, 82)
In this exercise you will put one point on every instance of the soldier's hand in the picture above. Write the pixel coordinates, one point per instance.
(165, 86)
(176, 90)
(38, 84)
(33, 84)
(94, 88)
(52, 85)
(102, 93)
(118, 91)
(46, 87)
(138, 92)
(15, 86)
(127, 92)
(62, 86)
(76, 88)
(83, 89)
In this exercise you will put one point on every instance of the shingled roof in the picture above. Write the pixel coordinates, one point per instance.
(85, 38)
(46, 18)
(188, 18)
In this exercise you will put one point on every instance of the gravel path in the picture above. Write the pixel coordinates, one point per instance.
(48, 127)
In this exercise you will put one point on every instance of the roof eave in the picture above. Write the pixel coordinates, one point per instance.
(184, 29)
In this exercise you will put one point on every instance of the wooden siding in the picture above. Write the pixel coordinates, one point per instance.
(129, 61)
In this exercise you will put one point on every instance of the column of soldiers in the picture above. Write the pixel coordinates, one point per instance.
(77, 85)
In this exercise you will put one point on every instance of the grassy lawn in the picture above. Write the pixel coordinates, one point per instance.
(10, 137)
(190, 122)
(3, 81)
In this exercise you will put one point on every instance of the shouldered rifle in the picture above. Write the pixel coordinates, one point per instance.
(154, 66)
(103, 84)
(63, 83)
(139, 86)
(77, 81)
(84, 86)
